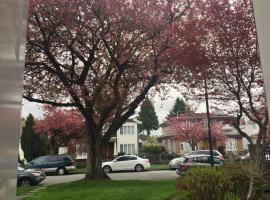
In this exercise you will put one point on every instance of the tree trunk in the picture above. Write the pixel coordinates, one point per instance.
(257, 168)
(53, 148)
(94, 155)
(193, 146)
(250, 189)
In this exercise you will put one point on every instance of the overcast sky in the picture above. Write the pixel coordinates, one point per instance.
(162, 107)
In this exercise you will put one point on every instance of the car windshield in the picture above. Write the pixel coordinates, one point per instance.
(20, 168)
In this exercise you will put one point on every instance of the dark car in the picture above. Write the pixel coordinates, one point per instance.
(197, 161)
(28, 177)
(60, 164)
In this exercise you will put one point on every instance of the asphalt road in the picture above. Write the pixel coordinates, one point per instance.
(147, 175)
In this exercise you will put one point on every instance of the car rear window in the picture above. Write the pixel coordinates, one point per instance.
(202, 159)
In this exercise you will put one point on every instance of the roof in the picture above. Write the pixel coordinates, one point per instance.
(196, 116)
(134, 121)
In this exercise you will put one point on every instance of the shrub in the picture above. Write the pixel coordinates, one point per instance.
(239, 175)
(153, 149)
(207, 184)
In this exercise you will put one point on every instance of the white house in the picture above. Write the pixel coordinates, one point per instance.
(125, 141)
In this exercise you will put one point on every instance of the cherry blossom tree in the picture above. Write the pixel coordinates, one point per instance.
(60, 126)
(189, 128)
(102, 57)
(230, 64)
(230, 67)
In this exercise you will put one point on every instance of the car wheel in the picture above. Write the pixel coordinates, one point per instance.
(107, 169)
(139, 168)
(61, 171)
(24, 182)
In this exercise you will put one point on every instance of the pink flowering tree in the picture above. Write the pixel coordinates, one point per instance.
(102, 57)
(188, 128)
(60, 126)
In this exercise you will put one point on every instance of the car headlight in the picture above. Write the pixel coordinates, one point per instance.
(36, 174)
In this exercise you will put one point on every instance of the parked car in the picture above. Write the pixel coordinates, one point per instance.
(205, 152)
(245, 156)
(60, 164)
(174, 162)
(197, 161)
(126, 162)
(28, 177)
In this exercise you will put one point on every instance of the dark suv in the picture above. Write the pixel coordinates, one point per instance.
(59, 164)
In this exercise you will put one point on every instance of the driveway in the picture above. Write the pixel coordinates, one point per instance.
(148, 175)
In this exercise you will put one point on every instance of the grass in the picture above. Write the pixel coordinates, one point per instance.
(154, 167)
(78, 170)
(108, 189)
(159, 166)
(24, 190)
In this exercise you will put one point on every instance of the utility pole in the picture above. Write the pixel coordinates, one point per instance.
(209, 124)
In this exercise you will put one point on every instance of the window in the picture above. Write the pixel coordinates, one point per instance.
(133, 149)
(128, 148)
(181, 146)
(41, 159)
(231, 144)
(121, 148)
(131, 158)
(123, 158)
(127, 130)
(53, 158)
(218, 161)
(204, 159)
(125, 148)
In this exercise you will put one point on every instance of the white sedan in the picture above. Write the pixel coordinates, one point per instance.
(127, 162)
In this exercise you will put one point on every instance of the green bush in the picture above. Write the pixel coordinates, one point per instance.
(153, 149)
(207, 184)
(239, 175)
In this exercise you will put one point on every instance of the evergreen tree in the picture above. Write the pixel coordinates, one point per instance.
(179, 107)
(32, 144)
(148, 117)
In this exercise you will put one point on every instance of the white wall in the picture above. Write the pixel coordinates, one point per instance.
(262, 16)
(13, 18)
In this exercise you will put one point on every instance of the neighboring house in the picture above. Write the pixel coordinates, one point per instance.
(252, 130)
(234, 143)
(124, 141)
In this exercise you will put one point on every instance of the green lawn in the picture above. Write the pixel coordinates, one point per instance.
(159, 166)
(24, 190)
(154, 167)
(109, 190)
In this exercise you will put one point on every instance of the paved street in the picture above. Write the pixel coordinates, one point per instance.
(148, 175)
